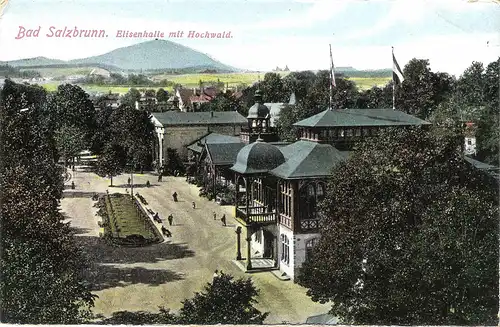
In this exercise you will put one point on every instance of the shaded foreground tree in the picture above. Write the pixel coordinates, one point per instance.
(488, 122)
(225, 301)
(140, 318)
(41, 266)
(410, 235)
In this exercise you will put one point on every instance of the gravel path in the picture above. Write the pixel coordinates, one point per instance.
(164, 274)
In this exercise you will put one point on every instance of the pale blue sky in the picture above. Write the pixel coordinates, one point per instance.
(266, 34)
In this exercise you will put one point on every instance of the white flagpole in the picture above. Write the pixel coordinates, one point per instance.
(332, 79)
(393, 83)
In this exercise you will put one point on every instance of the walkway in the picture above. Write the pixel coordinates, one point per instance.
(165, 274)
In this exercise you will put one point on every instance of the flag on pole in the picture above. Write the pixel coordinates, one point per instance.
(332, 70)
(332, 78)
(397, 73)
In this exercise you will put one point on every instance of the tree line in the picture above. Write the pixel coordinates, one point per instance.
(409, 234)
(119, 79)
(14, 72)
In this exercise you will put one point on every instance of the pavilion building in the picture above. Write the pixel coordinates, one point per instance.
(278, 186)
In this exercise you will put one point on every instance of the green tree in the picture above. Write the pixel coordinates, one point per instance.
(272, 88)
(103, 132)
(41, 265)
(376, 98)
(70, 142)
(134, 131)
(315, 100)
(112, 161)
(131, 97)
(161, 95)
(173, 162)
(488, 125)
(70, 105)
(289, 115)
(225, 301)
(422, 89)
(223, 102)
(409, 236)
(471, 86)
(140, 318)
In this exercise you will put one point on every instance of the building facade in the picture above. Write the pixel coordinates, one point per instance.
(177, 130)
(279, 185)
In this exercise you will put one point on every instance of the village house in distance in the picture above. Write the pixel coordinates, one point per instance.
(278, 184)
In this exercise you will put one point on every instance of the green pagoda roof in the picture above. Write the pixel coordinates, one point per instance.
(224, 153)
(306, 159)
(360, 117)
(212, 138)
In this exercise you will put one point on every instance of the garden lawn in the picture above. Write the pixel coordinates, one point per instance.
(128, 218)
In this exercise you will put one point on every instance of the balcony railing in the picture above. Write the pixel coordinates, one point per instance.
(255, 215)
(286, 221)
(310, 224)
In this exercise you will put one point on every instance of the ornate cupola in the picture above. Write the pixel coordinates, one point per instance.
(258, 115)
(259, 120)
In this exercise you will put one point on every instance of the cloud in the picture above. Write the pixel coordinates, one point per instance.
(410, 13)
(319, 11)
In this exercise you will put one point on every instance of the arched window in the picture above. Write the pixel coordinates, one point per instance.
(310, 195)
(285, 249)
(320, 192)
(310, 190)
(310, 246)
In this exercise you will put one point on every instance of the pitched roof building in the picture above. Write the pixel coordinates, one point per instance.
(277, 186)
(191, 99)
(178, 130)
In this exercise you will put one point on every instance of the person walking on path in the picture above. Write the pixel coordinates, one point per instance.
(194, 205)
(128, 181)
(170, 219)
(215, 216)
(160, 177)
(174, 196)
(223, 219)
(165, 232)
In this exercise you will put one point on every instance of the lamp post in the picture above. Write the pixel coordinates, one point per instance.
(132, 178)
(132, 182)
(238, 243)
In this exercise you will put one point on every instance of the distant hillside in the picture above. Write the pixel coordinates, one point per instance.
(30, 62)
(146, 56)
(154, 55)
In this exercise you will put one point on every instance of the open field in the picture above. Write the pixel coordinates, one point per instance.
(364, 83)
(192, 80)
(104, 88)
(233, 79)
(187, 80)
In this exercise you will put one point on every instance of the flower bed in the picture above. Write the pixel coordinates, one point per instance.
(125, 222)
